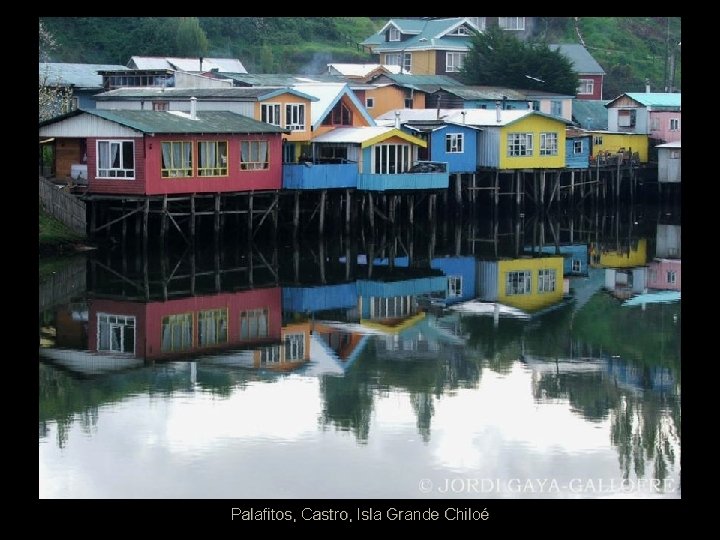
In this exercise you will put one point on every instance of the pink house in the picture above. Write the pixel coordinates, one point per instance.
(655, 114)
(664, 274)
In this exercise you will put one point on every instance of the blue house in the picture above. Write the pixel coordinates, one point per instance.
(577, 149)
(461, 277)
(451, 143)
(321, 298)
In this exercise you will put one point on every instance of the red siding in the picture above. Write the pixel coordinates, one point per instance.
(149, 318)
(148, 160)
(597, 87)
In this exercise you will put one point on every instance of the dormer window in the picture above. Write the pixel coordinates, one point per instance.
(393, 34)
(460, 31)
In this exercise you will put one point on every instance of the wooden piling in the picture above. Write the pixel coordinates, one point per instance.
(323, 196)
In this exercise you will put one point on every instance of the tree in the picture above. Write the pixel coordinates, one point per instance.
(191, 39)
(54, 99)
(496, 58)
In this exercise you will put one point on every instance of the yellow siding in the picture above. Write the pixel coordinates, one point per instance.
(535, 300)
(386, 98)
(297, 328)
(635, 256)
(423, 63)
(282, 99)
(534, 124)
(613, 142)
(357, 119)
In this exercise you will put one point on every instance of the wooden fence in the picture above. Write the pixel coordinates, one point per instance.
(63, 284)
(63, 206)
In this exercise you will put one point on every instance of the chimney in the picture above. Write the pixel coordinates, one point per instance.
(647, 86)
(498, 104)
(397, 119)
(201, 59)
(464, 112)
(530, 105)
(193, 108)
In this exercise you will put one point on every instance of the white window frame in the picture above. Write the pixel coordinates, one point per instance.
(479, 22)
(675, 121)
(407, 62)
(270, 355)
(393, 59)
(454, 143)
(586, 87)
(455, 286)
(402, 164)
(294, 347)
(270, 113)
(394, 34)
(120, 322)
(515, 143)
(459, 31)
(671, 277)
(127, 173)
(512, 23)
(576, 265)
(391, 307)
(260, 319)
(369, 103)
(547, 280)
(454, 61)
(674, 154)
(597, 139)
(549, 144)
(292, 116)
(518, 283)
(578, 146)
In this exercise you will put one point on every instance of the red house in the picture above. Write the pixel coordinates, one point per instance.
(131, 152)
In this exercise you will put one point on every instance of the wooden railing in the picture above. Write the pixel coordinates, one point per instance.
(63, 206)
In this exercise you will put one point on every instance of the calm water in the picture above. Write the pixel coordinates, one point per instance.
(390, 366)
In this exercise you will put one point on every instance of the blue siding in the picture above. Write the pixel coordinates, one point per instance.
(577, 161)
(466, 161)
(458, 266)
(319, 176)
(573, 252)
(390, 289)
(386, 182)
(305, 299)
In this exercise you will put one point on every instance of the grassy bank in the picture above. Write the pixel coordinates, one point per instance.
(55, 238)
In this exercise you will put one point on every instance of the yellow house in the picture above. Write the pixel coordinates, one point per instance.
(608, 141)
(528, 283)
(516, 139)
(634, 255)
(286, 108)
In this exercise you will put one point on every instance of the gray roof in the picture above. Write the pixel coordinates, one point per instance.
(280, 79)
(426, 83)
(581, 59)
(253, 93)
(187, 64)
(498, 92)
(77, 75)
(590, 113)
(174, 122)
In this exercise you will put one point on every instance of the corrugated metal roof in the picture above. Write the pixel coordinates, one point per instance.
(414, 115)
(174, 122)
(77, 75)
(590, 113)
(488, 117)
(675, 144)
(280, 79)
(582, 60)
(485, 92)
(187, 64)
(654, 99)
(361, 70)
(253, 93)
(424, 36)
(328, 94)
(355, 135)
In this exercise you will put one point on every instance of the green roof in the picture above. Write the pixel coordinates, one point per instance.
(590, 113)
(424, 35)
(169, 122)
(425, 83)
(652, 99)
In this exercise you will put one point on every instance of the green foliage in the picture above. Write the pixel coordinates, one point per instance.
(497, 58)
(190, 40)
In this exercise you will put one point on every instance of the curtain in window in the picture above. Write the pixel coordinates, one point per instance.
(104, 155)
(203, 155)
(263, 152)
(187, 161)
(114, 155)
(166, 155)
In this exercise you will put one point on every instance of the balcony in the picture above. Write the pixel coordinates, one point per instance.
(325, 174)
(422, 175)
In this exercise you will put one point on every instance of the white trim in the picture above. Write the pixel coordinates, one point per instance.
(582, 82)
(272, 105)
(296, 126)
(461, 58)
(517, 20)
(459, 142)
(369, 102)
(122, 332)
(97, 160)
(395, 29)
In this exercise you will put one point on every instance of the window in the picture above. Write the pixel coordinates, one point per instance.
(576, 265)
(270, 355)
(116, 159)
(253, 155)
(546, 280)
(393, 34)
(391, 158)
(393, 59)
(116, 333)
(517, 283)
(212, 158)
(254, 324)
(176, 159)
(454, 61)
(295, 116)
(511, 23)
(671, 277)
(294, 347)
(586, 86)
(212, 327)
(548, 144)
(391, 307)
(674, 124)
(408, 103)
(654, 123)
(460, 31)
(74, 103)
(519, 144)
(479, 22)
(177, 332)
(407, 62)
(556, 108)
(340, 115)
(160, 106)
(597, 139)
(674, 154)
(626, 118)
(454, 143)
(369, 102)
(454, 286)
(270, 113)
(578, 147)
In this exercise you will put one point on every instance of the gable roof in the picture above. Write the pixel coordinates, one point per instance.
(652, 99)
(590, 113)
(366, 136)
(253, 93)
(77, 75)
(488, 117)
(327, 95)
(279, 79)
(425, 34)
(174, 122)
(499, 92)
(187, 64)
(362, 70)
(424, 83)
(582, 61)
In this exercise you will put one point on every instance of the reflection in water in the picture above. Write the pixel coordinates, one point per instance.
(357, 335)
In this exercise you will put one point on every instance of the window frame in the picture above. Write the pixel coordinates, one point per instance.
(451, 67)
(110, 142)
(514, 278)
(295, 126)
(547, 277)
(578, 143)
(122, 326)
(217, 150)
(369, 102)
(514, 144)
(254, 165)
(276, 108)
(552, 150)
(169, 170)
(586, 87)
(218, 339)
(676, 121)
(394, 31)
(456, 141)
(519, 25)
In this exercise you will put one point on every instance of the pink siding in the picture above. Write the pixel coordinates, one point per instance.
(597, 88)
(148, 342)
(148, 162)
(662, 119)
(658, 274)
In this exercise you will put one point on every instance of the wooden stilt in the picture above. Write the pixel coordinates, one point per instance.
(146, 215)
(348, 210)
(371, 211)
(296, 212)
(323, 196)
(164, 219)
(458, 189)
(192, 219)
(251, 204)
(411, 209)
